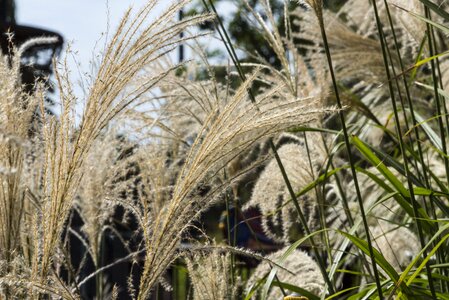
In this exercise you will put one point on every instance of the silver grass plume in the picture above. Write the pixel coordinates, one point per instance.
(352, 35)
(445, 74)
(301, 76)
(104, 178)
(135, 45)
(211, 276)
(229, 129)
(345, 43)
(409, 30)
(19, 286)
(316, 5)
(271, 195)
(301, 270)
(21, 164)
(371, 192)
(398, 245)
(387, 210)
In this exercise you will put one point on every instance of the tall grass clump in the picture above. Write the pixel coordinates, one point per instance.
(331, 163)
(386, 100)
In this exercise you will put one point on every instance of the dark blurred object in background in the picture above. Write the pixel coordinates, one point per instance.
(7, 11)
(36, 62)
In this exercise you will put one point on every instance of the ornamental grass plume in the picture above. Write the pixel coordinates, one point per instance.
(22, 153)
(409, 31)
(230, 129)
(351, 34)
(300, 270)
(113, 176)
(134, 45)
(372, 192)
(344, 43)
(65, 145)
(301, 76)
(270, 194)
(211, 275)
(17, 110)
(387, 211)
(316, 5)
(90, 203)
(445, 74)
(397, 244)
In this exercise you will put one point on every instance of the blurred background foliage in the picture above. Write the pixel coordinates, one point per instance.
(244, 34)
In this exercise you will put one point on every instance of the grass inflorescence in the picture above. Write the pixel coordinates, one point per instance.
(329, 161)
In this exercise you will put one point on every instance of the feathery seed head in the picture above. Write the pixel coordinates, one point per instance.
(270, 193)
(303, 272)
(211, 275)
(398, 245)
(316, 5)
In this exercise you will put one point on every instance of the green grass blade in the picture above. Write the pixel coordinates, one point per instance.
(310, 129)
(429, 255)
(436, 25)
(296, 289)
(431, 134)
(380, 260)
(440, 91)
(284, 256)
(436, 8)
(426, 60)
(342, 292)
(375, 161)
(419, 255)
(395, 182)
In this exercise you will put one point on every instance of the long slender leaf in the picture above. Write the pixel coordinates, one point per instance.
(376, 162)
(436, 8)
(417, 258)
(439, 26)
(380, 260)
(284, 256)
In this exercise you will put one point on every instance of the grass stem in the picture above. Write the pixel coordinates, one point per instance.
(226, 40)
(350, 157)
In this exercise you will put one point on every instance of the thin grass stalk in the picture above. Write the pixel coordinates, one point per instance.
(432, 40)
(399, 130)
(346, 208)
(440, 77)
(404, 111)
(228, 227)
(409, 100)
(401, 143)
(251, 230)
(235, 237)
(303, 221)
(438, 69)
(344, 199)
(340, 190)
(440, 255)
(350, 157)
(324, 234)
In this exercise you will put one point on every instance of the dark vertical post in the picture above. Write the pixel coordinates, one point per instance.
(3, 7)
(7, 11)
(181, 35)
